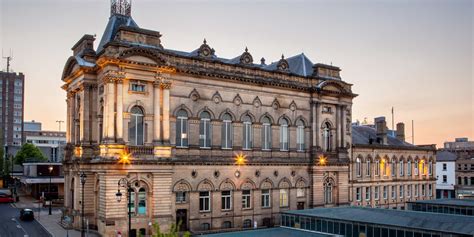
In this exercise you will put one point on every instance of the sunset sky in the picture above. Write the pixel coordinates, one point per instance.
(416, 56)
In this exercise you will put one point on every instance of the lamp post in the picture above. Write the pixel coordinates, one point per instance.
(123, 182)
(50, 168)
(83, 177)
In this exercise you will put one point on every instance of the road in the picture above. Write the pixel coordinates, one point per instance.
(12, 226)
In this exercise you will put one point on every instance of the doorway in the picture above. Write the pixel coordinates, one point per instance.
(182, 219)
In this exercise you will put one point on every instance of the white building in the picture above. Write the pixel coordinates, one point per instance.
(51, 143)
(445, 170)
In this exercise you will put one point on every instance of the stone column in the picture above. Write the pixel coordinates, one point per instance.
(338, 126)
(166, 85)
(109, 123)
(316, 129)
(70, 117)
(156, 112)
(119, 118)
(343, 125)
(85, 114)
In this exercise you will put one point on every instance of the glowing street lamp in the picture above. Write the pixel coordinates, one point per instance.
(322, 160)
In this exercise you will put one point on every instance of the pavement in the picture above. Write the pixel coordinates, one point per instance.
(48, 223)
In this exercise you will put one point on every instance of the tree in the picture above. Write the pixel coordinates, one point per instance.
(173, 232)
(29, 152)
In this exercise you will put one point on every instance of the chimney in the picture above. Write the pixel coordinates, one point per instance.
(401, 131)
(381, 130)
(85, 46)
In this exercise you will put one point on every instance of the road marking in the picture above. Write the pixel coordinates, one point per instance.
(20, 227)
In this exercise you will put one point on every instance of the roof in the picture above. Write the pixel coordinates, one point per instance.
(299, 65)
(115, 21)
(448, 202)
(271, 232)
(361, 135)
(445, 156)
(400, 218)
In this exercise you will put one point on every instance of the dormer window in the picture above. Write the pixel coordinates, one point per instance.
(137, 86)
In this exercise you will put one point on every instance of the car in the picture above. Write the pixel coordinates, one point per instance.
(27, 214)
(6, 196)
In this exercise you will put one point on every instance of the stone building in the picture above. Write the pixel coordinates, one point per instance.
(204, 141)
(386, 171)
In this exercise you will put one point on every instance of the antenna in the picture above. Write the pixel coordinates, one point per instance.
(8, 58)
(59, 122)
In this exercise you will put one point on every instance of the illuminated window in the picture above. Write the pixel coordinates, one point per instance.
(205, 130)
(227, 131)
(284, 135)
(182, 128)
(283, 197)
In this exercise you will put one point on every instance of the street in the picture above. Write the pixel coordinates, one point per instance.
(12, 226)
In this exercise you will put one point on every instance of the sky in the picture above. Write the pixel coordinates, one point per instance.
(415, 56)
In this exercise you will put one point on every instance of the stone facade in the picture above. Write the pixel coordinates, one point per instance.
(209, 142)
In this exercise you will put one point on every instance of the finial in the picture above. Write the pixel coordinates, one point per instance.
(246, 49)
(282, 56)
(121, 7)
(262, 61)
(204, 41)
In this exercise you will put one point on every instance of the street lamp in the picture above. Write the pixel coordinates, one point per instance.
(123, 182)
(50, 168)
(83, 177)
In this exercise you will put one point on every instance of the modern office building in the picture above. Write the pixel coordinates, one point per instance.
(43, 180)
(11, 110)
(51, 143)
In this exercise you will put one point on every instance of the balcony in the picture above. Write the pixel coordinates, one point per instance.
(140, 150)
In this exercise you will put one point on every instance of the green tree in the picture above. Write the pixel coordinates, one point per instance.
(30, 152)
(173, 232)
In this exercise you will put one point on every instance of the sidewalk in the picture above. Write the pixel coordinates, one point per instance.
(49, 222)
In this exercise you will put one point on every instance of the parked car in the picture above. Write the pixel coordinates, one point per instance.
(6, 196)
(27, 214)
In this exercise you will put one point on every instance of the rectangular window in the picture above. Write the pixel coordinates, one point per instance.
(416, 168)
(265, 198)
(137, 86)
(384, 192)
(283, 137)
(377, 168)
(430, 190)
(204, 201)
(394, 192)
(416, 190)
(227, 134)
(300, 138)
(367, 193)
(247, 136)
(182, 132)
(409, 190)
(367, 169)
(409, 168)
(266, 137)
(445, 178)
(402, 168)
(401, 191)
(205, 133)
(180, 196)
(445, 166)
(358, 194)
(283, 197)
(226, 200)
(376, 192)
(300, 192)
(246, 202)
(423, 191)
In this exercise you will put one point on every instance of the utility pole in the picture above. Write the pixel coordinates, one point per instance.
(59, 122)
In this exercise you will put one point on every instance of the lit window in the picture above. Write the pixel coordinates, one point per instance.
(283, 198)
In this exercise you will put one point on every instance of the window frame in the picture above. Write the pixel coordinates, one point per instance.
(204, 201)
(266, 198)
(226, 200)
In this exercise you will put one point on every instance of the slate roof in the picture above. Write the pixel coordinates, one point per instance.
(445, 156)
(449, 202)
(271, 232)
(115, 21)
(399, 218)
(298, 64)
(362, 133)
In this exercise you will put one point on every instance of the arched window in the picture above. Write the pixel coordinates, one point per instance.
(300, 135)
(227, 131)
(182, 128)
(367, 169)
(205, 130)
(393, 167)
(384, 166)
(138, 201)
(327, 137)
(409, 167)
(266, 133)
(247, 133)
(401, 167)
(284, 134)
(327, 192)
(136, 127)
(358, 168)
(430, 168)
(416, 167)
(247, 223)
(284, 197)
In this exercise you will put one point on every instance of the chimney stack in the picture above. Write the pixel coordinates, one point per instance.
(401, 131)
(381, 130)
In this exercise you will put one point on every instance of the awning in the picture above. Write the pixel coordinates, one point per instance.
(42, 180)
